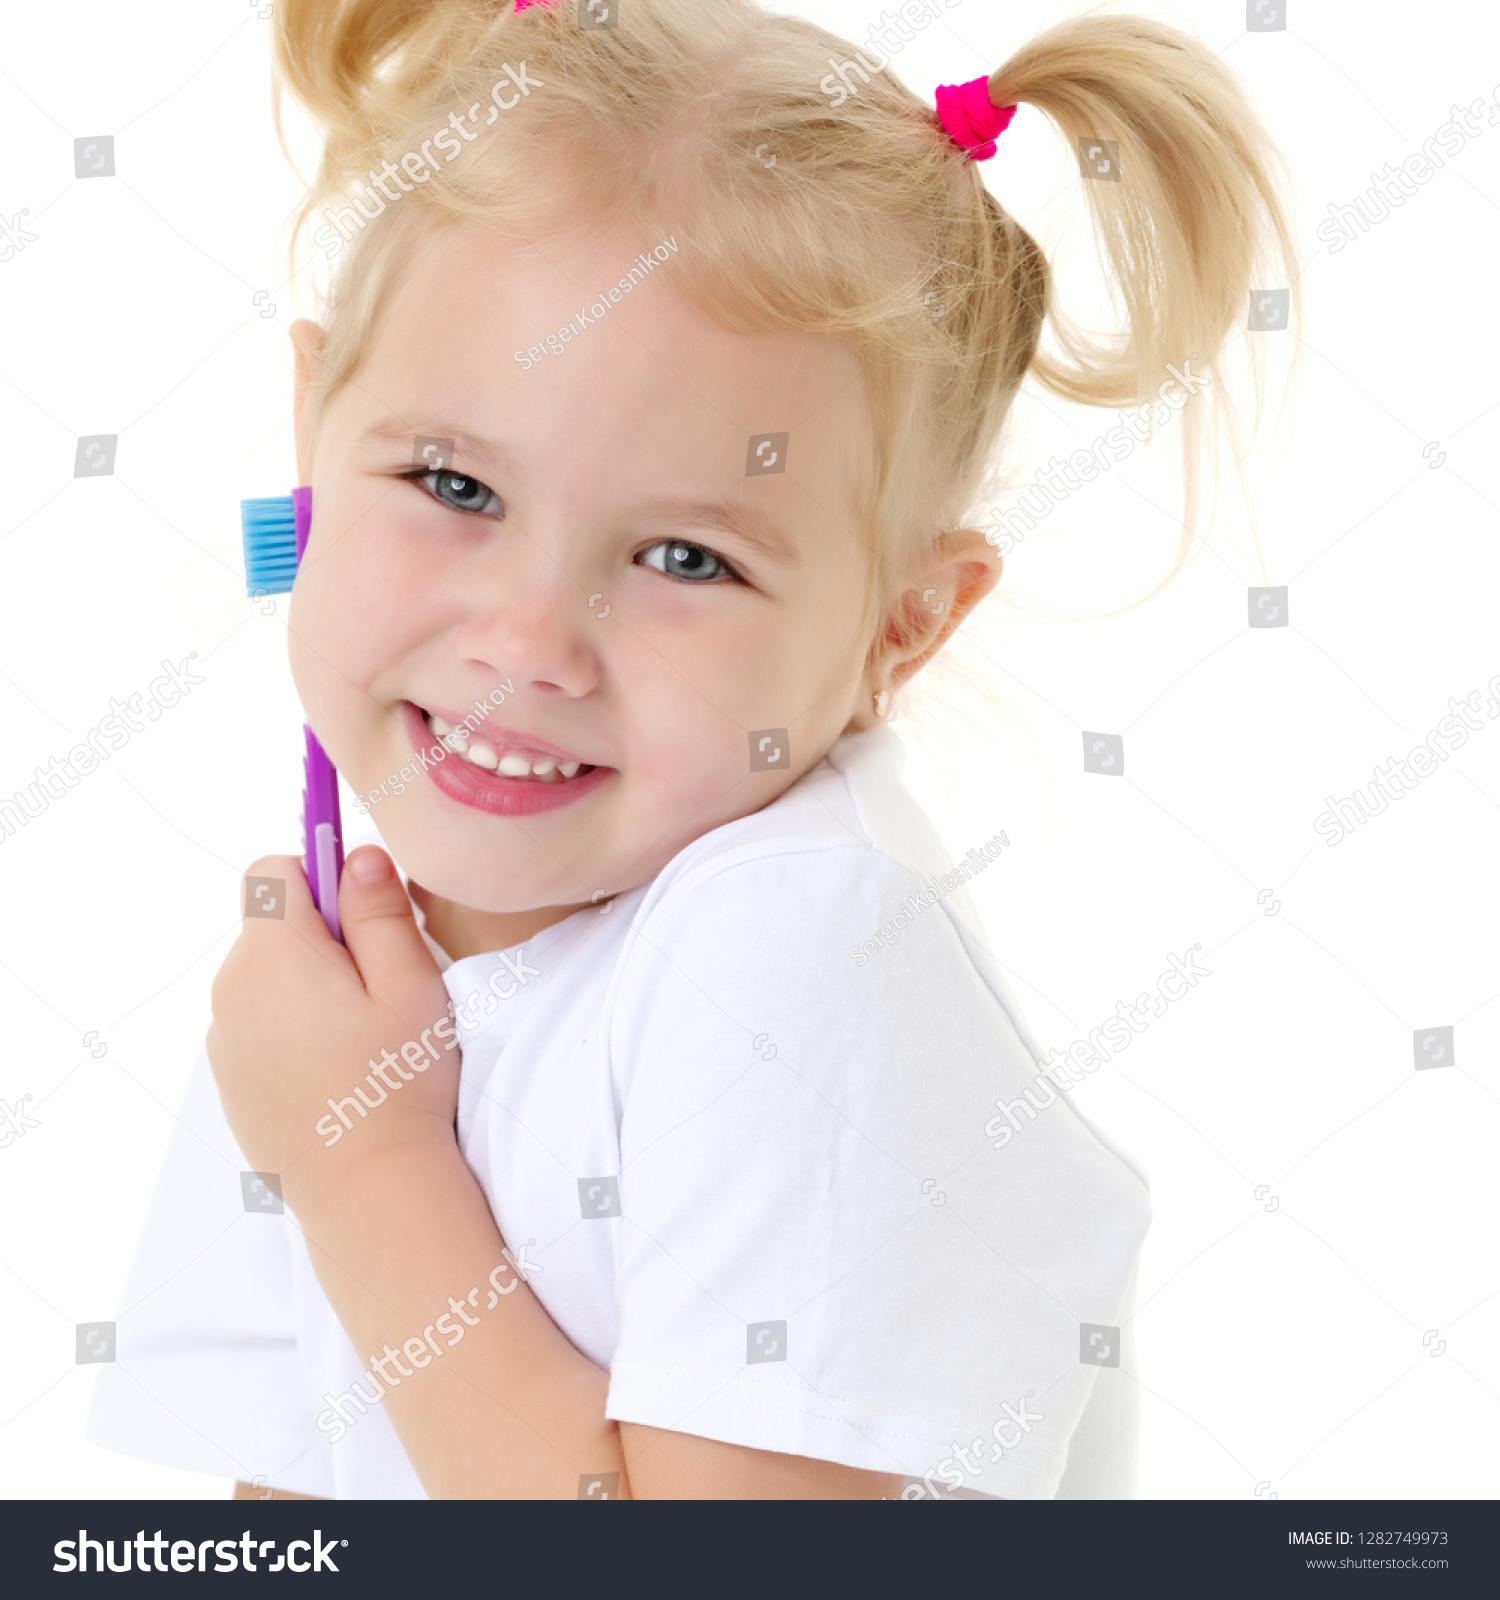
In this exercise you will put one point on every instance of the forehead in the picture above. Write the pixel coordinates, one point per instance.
(647, 392)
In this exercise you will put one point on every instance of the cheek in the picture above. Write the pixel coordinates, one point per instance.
(720, 714)
(346, 639)
(332, 655)
(778, 666)
(687, 680)
(352, 611)
(686, 754)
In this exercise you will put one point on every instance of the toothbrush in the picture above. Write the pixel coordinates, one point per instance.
(275, 533)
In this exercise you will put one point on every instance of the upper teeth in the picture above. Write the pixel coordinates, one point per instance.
(508, 763)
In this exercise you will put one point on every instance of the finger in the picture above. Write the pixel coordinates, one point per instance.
(279, 912)
(275, 889)
(381, 933)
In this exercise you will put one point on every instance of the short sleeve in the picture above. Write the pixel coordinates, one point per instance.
(206, 1373)
(821, 1252)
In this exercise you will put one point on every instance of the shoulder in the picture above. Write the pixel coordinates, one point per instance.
(770, 924)
(807, 868)
(841, 867)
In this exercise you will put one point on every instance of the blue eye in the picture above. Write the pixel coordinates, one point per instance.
(689, 562)
(459, 493)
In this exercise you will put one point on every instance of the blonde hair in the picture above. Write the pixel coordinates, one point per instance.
(869, 216)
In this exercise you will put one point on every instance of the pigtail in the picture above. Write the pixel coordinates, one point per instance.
(1187, 210)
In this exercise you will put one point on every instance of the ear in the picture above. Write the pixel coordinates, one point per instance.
(307, 342)
(961, 572)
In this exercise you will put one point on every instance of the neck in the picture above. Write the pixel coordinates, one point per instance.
(463, 931)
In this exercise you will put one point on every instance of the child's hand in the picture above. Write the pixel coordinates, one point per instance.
(299, 1021)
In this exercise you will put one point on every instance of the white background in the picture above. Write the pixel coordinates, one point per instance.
(1279, 1350)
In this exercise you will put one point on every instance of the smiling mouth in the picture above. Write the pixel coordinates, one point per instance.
(505, 760)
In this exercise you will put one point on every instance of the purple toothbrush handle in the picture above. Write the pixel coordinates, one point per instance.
(322, 831)
(322, 827)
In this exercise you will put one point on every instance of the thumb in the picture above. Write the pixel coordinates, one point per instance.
(381, 934)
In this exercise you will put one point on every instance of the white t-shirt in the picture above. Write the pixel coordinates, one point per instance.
(747, 1161)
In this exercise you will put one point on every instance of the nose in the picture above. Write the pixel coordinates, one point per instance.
(527, 618)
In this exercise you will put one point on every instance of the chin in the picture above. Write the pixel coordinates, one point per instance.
(486, 876)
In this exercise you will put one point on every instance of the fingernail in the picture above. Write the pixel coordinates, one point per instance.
(371, 866)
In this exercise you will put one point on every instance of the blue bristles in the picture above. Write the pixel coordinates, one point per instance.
(270, 545)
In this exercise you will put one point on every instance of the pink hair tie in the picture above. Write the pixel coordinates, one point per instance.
(969, 117)
(521, 5)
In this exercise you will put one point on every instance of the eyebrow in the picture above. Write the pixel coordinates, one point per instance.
(750, 524)
(747, 523)
(395, 431)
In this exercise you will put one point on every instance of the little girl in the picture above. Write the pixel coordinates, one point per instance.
(653, 1154)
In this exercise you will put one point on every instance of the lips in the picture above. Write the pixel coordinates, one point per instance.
(504, 773)
(511, 755)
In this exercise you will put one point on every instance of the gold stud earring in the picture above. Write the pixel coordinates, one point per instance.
(882, 702)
